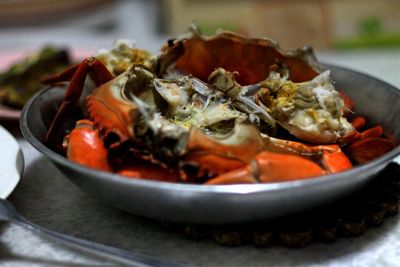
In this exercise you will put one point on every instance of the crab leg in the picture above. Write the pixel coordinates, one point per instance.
(369, 146)
(366, 149)
(271, 167)
(364, 145)
(358, 122)
(97, 71)
(376, 131)
(100, 76)
(64, 76)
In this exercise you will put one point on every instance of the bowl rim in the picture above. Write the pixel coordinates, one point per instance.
(201, 188)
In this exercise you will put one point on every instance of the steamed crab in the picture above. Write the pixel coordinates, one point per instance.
(209, 110)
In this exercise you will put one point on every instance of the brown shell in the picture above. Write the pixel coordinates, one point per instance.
(251, 57)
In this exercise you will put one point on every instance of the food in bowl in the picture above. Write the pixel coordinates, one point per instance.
(223, 109)
(22, 80)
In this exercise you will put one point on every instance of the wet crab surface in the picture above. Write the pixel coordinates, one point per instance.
(223, 109)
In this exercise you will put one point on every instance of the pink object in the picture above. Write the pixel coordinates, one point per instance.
(9, 58)
(7, 113)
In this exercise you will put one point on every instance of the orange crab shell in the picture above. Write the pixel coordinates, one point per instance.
(250, 57)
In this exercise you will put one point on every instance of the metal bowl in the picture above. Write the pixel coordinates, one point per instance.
(375, 99)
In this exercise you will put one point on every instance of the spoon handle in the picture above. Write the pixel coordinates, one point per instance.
(122, 256)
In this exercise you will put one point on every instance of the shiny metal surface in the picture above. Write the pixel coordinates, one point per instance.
(375, 99)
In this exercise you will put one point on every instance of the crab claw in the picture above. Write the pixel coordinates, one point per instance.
(84, 146)
(270, 167)
(331, 157)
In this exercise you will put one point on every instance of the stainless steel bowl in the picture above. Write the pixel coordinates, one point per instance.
(375, 99)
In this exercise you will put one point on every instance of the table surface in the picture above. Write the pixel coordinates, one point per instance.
(47, 198)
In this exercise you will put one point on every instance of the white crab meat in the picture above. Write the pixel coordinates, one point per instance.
(123, 55)
(311, 111)
(192, 103)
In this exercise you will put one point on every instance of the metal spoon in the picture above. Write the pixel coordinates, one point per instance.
(10, 214)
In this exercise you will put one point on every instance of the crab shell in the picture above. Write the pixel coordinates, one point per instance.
(252, 58)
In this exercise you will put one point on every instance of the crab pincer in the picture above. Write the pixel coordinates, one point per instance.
(291, 165)
(76, 75)
(270, 167)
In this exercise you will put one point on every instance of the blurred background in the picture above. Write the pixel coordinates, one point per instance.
(346, 32)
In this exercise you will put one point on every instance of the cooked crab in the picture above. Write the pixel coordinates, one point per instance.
(201, 114)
